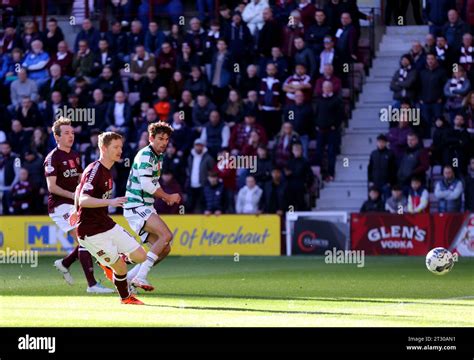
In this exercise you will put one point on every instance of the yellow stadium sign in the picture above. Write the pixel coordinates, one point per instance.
(193, 234)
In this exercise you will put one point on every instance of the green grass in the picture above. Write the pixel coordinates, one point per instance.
(256, 291)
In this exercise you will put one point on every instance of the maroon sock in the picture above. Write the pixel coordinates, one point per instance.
(87, 266)
(73, 255)
(121, 283)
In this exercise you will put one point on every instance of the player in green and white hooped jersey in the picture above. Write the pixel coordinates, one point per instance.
(142, 189)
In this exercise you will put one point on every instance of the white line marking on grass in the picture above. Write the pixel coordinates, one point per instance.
(460, 298)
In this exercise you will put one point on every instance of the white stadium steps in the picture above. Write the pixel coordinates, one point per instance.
(349, 190)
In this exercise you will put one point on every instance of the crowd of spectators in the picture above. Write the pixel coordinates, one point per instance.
(437, 155)
(260, 79)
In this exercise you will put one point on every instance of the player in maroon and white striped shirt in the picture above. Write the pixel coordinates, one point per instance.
(96, 231)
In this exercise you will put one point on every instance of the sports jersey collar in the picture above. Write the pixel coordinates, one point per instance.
(105, 167)
(57, 147)
(153, 150)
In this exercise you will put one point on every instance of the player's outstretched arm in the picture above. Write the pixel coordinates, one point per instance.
(170, 199)
(88, 201)
(53, 188)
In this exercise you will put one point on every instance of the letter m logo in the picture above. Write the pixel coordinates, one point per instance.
(38, 234)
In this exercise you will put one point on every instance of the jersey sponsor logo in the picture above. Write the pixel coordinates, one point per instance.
(49, 169)
(70, 173)
(107, 195)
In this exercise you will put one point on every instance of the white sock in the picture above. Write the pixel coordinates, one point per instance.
(147, 265)
(132, 273)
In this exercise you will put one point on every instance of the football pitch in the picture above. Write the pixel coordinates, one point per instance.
(255, 291)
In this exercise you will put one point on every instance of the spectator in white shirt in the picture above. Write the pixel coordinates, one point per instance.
(119, 115)
(253, 15)
(248, 198)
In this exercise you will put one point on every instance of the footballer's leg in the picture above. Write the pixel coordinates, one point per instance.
(93, 287)
(106, 248)
(85, 258)
(159, 238)
(61, 219)
(63, 265)
(151, 239)
(121, 284)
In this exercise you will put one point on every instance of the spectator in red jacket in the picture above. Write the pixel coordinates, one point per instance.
(250, 148)
(467, 13)
(241, 133)
(63, 57)
(228, 176)
(328, 75)
(166, 62)
(307, 11)
(291, 31)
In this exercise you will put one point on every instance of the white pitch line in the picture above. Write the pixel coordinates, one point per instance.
(460, 298)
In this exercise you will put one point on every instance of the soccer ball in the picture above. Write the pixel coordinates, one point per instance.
(439, 261)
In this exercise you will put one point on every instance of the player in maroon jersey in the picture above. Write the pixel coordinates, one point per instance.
(96, 231)
(63, 170)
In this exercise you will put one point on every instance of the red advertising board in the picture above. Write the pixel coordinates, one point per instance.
(392, 234)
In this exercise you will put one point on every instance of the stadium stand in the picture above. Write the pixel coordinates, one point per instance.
(132, 69)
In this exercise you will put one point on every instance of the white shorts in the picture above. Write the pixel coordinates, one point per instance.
(107, 246)
(137, 217)
(61, 216)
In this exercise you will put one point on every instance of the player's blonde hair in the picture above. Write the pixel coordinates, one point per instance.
(60, 122)
(106, 138)
(159, 127)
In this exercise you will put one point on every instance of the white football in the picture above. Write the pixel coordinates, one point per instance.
(439, 261)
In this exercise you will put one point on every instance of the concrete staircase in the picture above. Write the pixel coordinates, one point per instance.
(349, 190)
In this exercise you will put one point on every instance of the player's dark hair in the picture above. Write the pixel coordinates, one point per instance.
(58, 123)
(159, 127)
